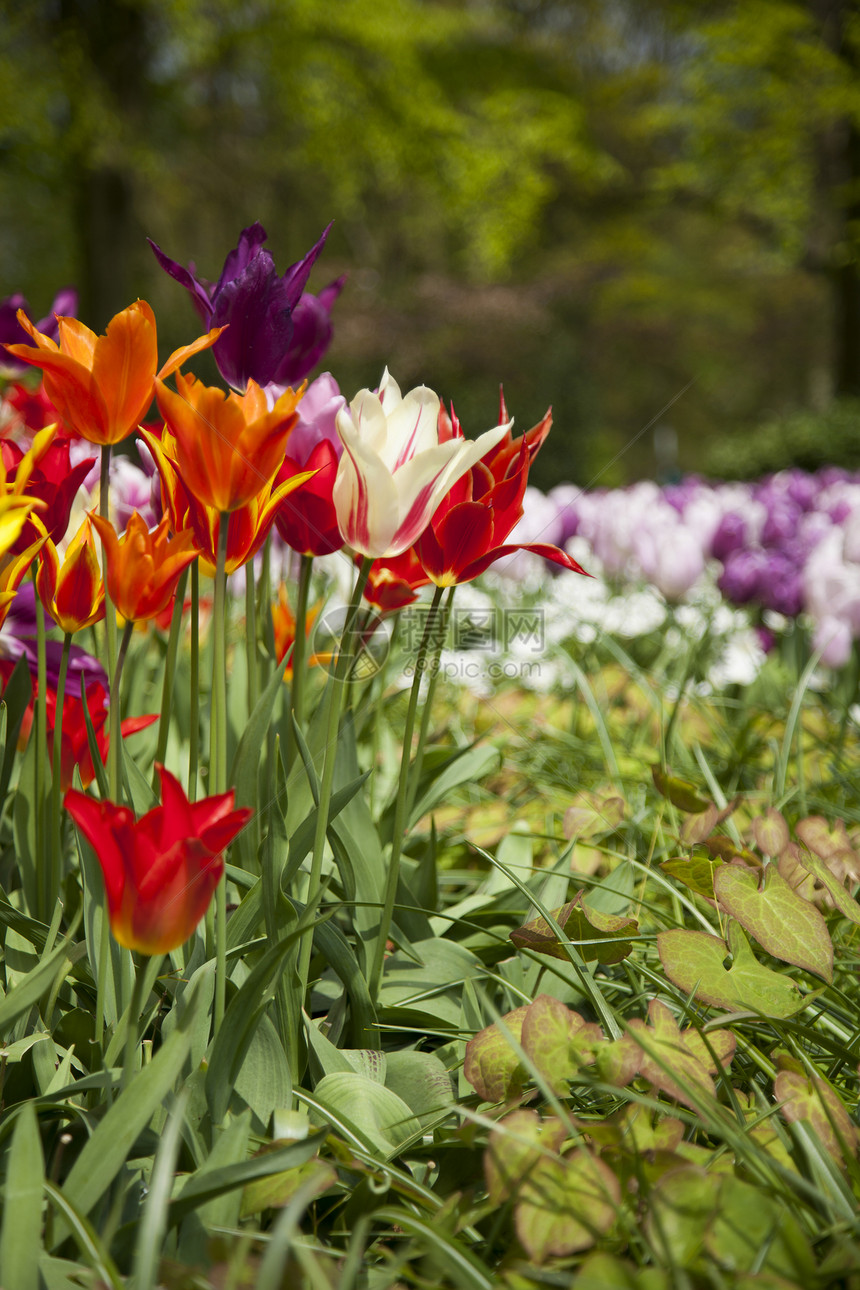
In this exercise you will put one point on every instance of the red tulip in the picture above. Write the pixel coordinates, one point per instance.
(160, 871)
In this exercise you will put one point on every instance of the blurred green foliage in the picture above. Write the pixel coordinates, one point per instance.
(806, 438)
(599, 205)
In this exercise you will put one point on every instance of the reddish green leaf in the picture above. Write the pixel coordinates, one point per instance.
(491, 1065)
(771, 833)
(595, 935)
(666, 1061)
(783, 923)
(565, 1205)
(516, 1145)
(558, 1040)
(813, 1099)
(277, 1190)
(694, 961)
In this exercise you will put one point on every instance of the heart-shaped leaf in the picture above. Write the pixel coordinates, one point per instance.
(783, 923)
(695, 962)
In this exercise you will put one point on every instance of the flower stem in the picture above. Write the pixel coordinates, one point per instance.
(251, 636)
(169, 673)
(297, 662)
(400, 803)
(132, 1036)
(44, 897)
(418, 766)
(218, 753)
(336, 691)
(57, 772)
(115, 750)
(104, 509)
(194, 716)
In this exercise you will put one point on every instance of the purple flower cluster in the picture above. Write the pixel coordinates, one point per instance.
(789, 543)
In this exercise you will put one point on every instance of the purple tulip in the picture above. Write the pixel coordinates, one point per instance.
(731, 535)
(742, 578)
(12, 333)
(317, 411)
(781, 523)
(782, 585)
(276, 331)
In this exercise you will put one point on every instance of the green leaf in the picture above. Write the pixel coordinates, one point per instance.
(694, 961)
(21, 1235)
(428, 991)
(751, 1232)
(595, 935)
(844, 902)
(263, 1080)
(377, 1117)
(278, 1189)
(515, 1146)
(39, 979)
(680, 792)
(783, 923)
(697, 873)
(666, 1061)
(17, 694)
(421, 1081)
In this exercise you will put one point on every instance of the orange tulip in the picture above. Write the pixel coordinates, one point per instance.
(226, 447)
(102, 386)
(143, 568)
(72, 592)
(249, 525)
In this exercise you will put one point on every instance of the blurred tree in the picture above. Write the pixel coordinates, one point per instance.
(598, 202)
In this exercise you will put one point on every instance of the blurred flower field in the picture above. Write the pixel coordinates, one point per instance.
(408, 878)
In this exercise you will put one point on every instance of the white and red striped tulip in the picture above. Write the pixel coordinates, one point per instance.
(394, 472)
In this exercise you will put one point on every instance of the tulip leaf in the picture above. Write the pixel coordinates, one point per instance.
(695, 962)
(244, 772)
(17, 694)
(373, 1113)
(106, 1150)
(263, 1080)
(243, 1016)
(421, 1081)
(37, 981)
(783, 923)
(20, 1237)
(595, 935)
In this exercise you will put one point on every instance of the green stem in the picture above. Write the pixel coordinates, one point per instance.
(169, 673)
(110, 615)
(194, 697)
(377, 718)
(115, 750)
(400, 803)
(297, 690)
(418, 765)
(135, 1010)
(251, 636)
(218, 753)
(336, 689)
(101, 981)
(45, 898)
(57, 772)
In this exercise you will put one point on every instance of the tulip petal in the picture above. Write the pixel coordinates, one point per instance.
(365, 496)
